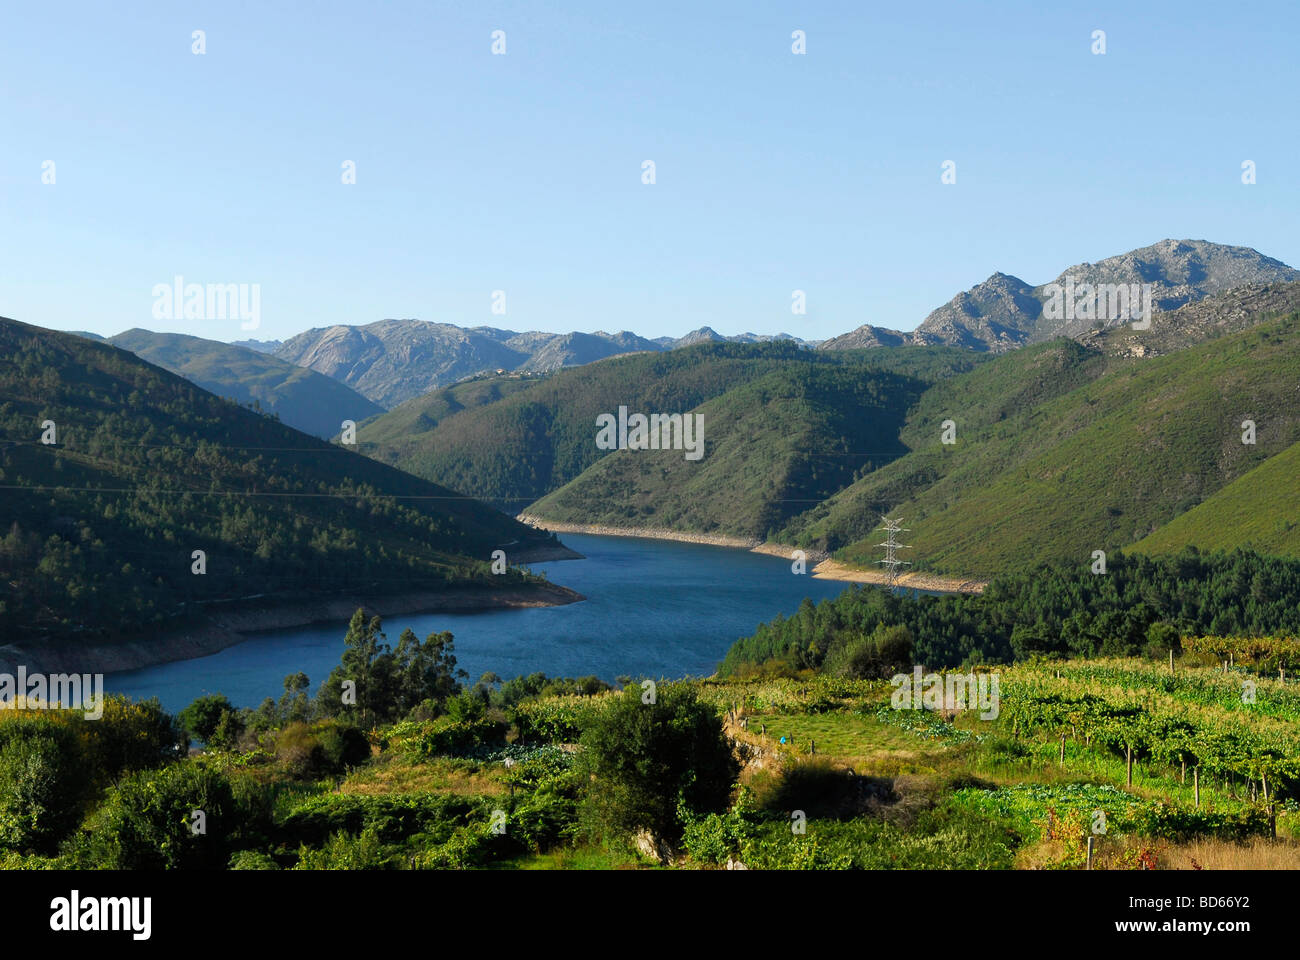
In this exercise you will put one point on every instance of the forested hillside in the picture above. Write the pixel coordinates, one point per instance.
(1105, 450)
(1058, 609)
(305, 400)
(787, 439)
(512, 441)
(100, 526)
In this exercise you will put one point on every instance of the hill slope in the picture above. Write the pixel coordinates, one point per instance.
(512, 441)
(772, 446)
(1260, 510)
(99, 528)
(302, 398)
(1117, 448)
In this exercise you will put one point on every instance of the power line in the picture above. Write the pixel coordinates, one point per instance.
(891, 561)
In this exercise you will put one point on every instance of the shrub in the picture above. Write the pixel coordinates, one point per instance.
(392, 818)
(322, 749)
(343, 744)
(44, 782)
(650, 764)
(252, 860)
(147, 822)
(342, 852)
(881, 654)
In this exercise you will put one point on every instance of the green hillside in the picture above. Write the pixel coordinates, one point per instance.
(302, 398)
(513, 442)
(988, 403)
(772, 446)
(1258, 511)
(100, 527)
(1106, 461)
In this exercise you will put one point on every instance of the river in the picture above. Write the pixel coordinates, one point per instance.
(654, 608)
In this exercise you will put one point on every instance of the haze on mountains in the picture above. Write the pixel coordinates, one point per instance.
(394, 360)
(302, 398)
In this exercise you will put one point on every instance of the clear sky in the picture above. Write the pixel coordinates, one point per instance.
(523, 172)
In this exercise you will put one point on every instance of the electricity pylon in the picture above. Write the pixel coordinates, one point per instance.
(891, 561)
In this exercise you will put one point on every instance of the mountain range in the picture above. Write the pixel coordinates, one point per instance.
(1069, 434)
(1004, 312)
(1118, 439)
(391, 361)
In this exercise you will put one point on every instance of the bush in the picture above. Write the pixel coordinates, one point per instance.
(651, 765)
(446, 736)
(148, 822)
(342, 852)
(252, 860)
(44, 782)
(1161, 638)
(344, 745)
(324, 749)
(882, 654)
(133, 736)
(392, 818)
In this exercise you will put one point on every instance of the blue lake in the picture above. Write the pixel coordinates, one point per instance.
(654, 608)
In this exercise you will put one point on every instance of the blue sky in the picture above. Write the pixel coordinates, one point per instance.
(522, 172)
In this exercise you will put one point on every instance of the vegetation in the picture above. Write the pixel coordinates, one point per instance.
(815, 771)
(301, 398)
(1055, 610)
(99, 528)
(513, 442)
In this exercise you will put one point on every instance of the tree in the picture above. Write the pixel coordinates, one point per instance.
(43, 783)
(649, 762)
(213, 720)
(362, 646)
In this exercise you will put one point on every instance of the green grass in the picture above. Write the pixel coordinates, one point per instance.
(1123, 448)
(1259, 510)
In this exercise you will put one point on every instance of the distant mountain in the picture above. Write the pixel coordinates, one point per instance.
(101, 526)
(1005, 312)
(261, 346)
(304, 399)
(392, 361)
(709, 335)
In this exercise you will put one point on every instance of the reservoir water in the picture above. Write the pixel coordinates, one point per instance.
(654, 608)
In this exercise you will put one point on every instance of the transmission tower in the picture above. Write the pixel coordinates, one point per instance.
(891, 561)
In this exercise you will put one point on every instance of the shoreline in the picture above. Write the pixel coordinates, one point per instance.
(825, 568)
(229, 628)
